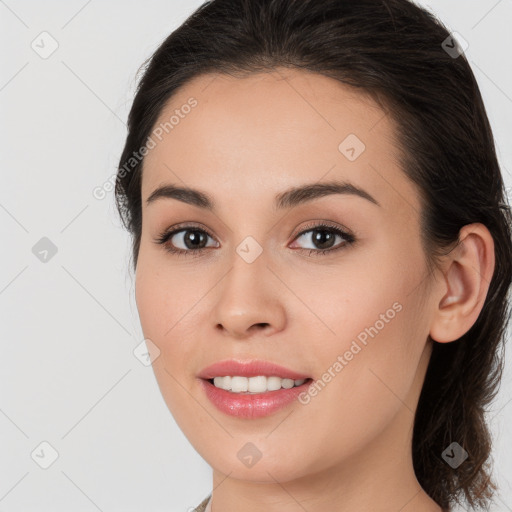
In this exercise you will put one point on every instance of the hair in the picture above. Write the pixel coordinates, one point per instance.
(392, 50)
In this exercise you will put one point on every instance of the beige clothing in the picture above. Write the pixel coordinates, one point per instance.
(205, 505)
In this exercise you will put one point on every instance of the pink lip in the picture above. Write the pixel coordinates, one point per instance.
(250, 405)
(254, 405)
(250, 368)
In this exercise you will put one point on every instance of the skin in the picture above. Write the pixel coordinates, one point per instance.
(248, 139)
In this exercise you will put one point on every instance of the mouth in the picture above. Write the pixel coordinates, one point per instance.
(250, 397)
(252, 388)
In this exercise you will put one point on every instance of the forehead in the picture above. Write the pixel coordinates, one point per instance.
(257, 135)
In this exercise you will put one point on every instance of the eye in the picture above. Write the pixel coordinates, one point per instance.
(322, 238)
(185, 240)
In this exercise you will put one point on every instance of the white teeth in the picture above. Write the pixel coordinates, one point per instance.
(258, 384)
(274, 383)
(222, 382)
(239, 384)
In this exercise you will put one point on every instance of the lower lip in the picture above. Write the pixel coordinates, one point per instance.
(255, 405)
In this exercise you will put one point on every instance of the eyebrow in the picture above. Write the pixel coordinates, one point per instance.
(287, 199)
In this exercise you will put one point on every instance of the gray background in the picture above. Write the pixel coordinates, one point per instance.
(69, 325)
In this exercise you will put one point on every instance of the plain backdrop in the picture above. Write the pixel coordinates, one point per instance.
(73, 395)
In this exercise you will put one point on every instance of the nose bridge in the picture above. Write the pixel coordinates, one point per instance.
(246, 296)
(247, 278)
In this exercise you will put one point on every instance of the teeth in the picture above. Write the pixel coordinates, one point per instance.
(259, 384)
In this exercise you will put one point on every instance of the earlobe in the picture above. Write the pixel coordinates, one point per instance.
(469, 269)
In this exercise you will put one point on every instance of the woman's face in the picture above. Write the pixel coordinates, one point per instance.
(353, 318)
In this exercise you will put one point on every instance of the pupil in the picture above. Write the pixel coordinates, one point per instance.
(321, 236)
(193, 239)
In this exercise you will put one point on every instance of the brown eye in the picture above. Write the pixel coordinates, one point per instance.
(184, 240)
(323, 239)
(191, 238)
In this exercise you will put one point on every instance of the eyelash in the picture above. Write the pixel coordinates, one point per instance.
(164, 237)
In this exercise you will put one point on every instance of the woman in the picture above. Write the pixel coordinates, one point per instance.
(348, 371)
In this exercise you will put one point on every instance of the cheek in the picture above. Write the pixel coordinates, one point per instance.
(165, 302)
(366, 335)
(357, 299)
(168, 302)
(165, 297)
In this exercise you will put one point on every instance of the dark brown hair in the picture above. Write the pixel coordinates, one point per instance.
(396, 52)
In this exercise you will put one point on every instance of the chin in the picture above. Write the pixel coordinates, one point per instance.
(264, 470)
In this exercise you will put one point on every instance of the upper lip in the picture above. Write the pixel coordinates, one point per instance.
(249, 368)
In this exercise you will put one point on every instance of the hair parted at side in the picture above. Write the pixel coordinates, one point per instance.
(392, 50)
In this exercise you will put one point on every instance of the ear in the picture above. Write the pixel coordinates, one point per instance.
(466, 279)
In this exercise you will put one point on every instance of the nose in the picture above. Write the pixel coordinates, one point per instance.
(249, 301)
